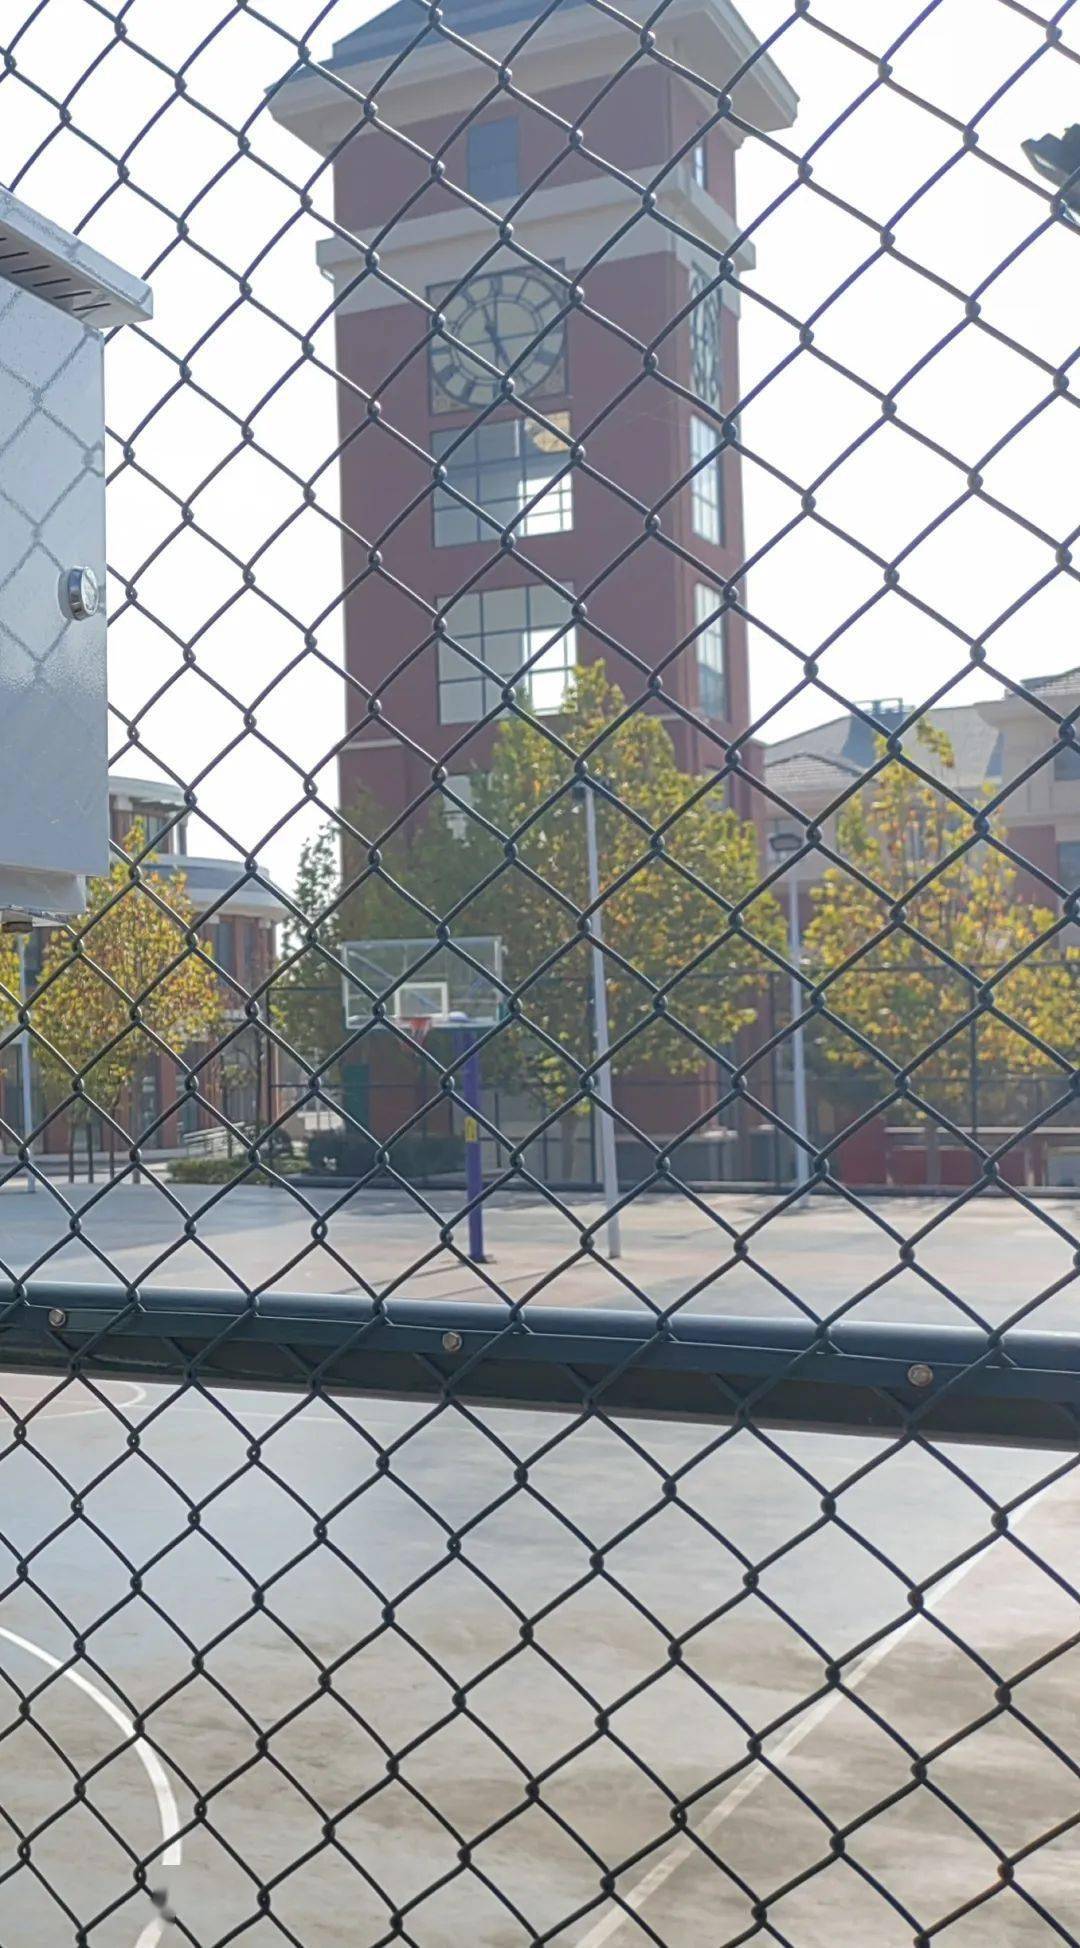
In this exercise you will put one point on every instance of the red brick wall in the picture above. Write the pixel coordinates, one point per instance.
(689, 110)
(378, 173)
(1037, 843)
(645, 604)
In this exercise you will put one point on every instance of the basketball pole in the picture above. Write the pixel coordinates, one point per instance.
(474, 1162)
(387, 969)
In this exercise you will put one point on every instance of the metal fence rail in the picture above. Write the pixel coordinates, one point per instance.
(480, 1460)
(912, 1382)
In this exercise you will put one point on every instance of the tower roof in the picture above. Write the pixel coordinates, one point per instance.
(415, 69)
(408, 22)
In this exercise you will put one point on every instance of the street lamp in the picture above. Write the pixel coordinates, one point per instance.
(584, 791)
(1057, 157)
(787, 846)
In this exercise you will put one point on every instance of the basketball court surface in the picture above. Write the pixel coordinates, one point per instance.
(402, 1716)
(989, 1258)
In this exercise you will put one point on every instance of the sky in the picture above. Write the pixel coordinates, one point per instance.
(976, 396)
(244, 713)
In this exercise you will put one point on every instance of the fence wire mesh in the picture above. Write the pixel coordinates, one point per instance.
(536, 1230)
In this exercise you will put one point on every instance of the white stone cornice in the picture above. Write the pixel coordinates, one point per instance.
(569, 224)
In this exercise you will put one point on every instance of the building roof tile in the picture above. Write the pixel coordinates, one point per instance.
(853, 740)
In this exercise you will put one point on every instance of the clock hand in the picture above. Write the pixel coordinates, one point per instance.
(491, 321)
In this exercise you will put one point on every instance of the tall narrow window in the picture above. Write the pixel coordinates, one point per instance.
(707, 485)
(457, 799)
(701, 165)
(225, 946)
(1069, 862)
(494, 172)
(711, 619)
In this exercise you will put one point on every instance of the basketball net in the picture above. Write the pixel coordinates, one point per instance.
(417, 1027)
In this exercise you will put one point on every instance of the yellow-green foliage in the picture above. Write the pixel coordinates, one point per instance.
(9, 981)
(674, 863)
(121, 983)
(958, 892)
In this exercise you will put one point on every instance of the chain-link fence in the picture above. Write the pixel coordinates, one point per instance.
(493, 1448)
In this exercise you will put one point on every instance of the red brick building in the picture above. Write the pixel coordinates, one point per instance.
(410, 247)
(502, 536)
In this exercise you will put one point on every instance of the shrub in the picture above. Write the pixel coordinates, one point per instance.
(343, 1153)
(225, 1170)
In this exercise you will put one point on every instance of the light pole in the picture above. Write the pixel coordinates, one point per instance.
(787, 845)
(584, 793)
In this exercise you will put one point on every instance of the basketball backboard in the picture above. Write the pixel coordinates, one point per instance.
(459, 984)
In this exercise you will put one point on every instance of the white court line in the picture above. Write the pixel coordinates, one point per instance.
(168, 1812)
(152, 1933)
(306, 1415)
(47, 1411)
(683, 1850)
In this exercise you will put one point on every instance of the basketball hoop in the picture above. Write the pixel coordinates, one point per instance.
(457, 987)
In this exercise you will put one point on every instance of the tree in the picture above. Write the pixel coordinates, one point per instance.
(907, 986)
(421, 870)
(305, 1000)
(684, 974)
(675, 862)
(119, 982)
(424, 871)
(9, 1010)
(9, 981)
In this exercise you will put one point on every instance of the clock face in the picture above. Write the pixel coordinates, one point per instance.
(706, 344)
(509, 320)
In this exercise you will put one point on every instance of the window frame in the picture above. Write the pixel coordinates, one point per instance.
(707, 511)
(711, 631)
(457, 649)
(1064, 846)
(463, 785)
(552, 514)
(475, 167)
(226, 945)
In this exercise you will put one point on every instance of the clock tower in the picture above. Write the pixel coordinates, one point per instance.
(535, 264)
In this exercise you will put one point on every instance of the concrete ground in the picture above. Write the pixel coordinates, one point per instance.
(328, 1724)
(908, 1258)
(342, 1719)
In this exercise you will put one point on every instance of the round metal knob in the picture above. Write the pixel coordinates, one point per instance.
(80, 593)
